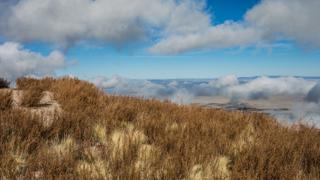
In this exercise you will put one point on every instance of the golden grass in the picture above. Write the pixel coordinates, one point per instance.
(98, 136)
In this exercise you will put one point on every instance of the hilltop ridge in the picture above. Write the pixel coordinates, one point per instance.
(89, 134)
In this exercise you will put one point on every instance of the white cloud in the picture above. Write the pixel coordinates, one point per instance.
(265, 87)
(144, 88)
(228, 86)
(301, 113)
(176, 26)
(227, 35)
(16, 61)
(266, 23)
(106, 83)
(288, 19)
(113, 21)
(179, 25)
(258, 88)
(225, 81)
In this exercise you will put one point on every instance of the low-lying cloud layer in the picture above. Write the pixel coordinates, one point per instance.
(236, 89)
(264, 87)
(314, 94)
(144, 88)
(15, 61)
(229, 86)
(173, 26)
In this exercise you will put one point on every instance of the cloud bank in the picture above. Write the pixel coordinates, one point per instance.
(265, 87)
(314, 94)
(229, 86)
(15, 61)
(236, 89)
(144, 88)
(173, 26)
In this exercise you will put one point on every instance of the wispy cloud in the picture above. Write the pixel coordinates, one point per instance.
(227, 35)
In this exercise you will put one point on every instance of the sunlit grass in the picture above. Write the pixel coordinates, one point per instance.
(98, 136)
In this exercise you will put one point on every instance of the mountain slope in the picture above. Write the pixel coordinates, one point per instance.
(97, 136)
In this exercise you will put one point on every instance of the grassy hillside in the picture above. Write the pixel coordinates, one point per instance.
(91, 135)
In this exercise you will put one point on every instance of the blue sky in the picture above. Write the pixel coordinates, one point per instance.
(284, 56)
(251, 62)
(223, 10)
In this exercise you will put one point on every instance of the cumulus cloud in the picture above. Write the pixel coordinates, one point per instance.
(267, 22)
(175, 26)
(288, 19)
(15, 61)
(112, 21)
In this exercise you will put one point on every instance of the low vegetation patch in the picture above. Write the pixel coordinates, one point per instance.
(5, 99)
(31, 97)
(99, 136)
(4, 83)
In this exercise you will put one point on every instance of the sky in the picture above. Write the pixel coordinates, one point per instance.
(159, 39)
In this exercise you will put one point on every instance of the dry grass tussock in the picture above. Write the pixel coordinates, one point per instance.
(98, 136)
(5, 99)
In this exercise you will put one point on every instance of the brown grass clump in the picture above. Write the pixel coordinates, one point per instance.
(122, 141)
(147, 158)
(5, 99)
(33, 90)
(31, 97)
(218, 169)
(245, 140)
(98, 136)
(95, 170)
(63, 148)
(25, 83)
